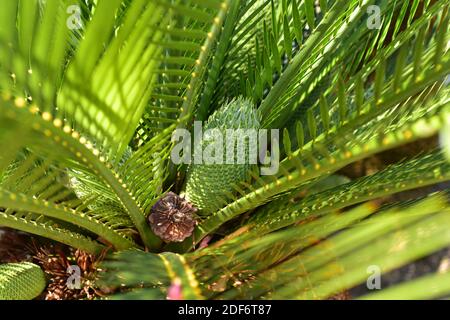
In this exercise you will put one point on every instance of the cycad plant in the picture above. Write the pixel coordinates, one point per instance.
(94, 94)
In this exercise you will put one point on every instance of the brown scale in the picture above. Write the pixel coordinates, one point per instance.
(55, 262)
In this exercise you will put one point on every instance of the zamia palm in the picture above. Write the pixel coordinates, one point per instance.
(92, 91)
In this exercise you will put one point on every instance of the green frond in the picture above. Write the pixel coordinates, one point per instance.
(304, 79)
(184, 57)
(437, 284)
(423, 171)
(41, 226)
(146, 170)
(130, 269)
(67, 146)
(22, 203)
(341, 261)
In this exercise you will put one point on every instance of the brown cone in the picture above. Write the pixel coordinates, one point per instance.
(172, 218)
